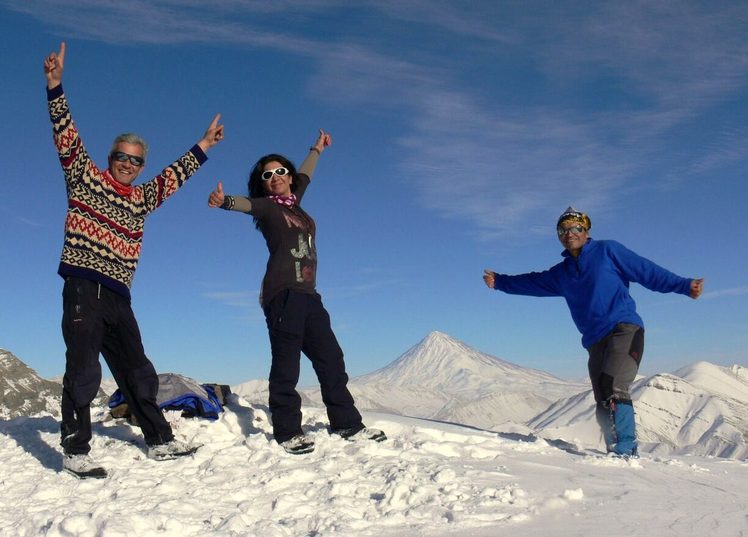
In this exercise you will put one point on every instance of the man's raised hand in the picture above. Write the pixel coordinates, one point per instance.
(213, 135)
(53, 67)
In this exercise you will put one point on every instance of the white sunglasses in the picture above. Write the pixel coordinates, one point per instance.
(280, 171)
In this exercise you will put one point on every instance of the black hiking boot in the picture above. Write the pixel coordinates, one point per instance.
(171, 450)
(364, 433)
(298, 445)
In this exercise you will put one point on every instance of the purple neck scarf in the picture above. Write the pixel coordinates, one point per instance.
(288, 201)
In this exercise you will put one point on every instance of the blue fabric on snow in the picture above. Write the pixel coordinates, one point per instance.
(596, 286)
(177, 392)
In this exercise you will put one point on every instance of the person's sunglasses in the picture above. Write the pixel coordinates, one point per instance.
(120, 156)
(267, 175)
(576, 230)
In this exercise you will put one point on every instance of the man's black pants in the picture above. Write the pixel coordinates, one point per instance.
(97, 320)
(298, 322)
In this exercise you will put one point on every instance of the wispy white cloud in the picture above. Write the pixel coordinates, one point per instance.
(503, 169)
(241, 299)
(30, 222)
(727, 147)
(535, 158)
(667, 62)
(681, 54)
(170, 22)
(734, 291)
(369, 286)
(670, 60)
(474, 20)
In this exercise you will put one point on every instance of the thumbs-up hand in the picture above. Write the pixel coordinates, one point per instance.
(216, 197)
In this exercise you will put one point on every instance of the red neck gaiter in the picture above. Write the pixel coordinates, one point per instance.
(122, 190)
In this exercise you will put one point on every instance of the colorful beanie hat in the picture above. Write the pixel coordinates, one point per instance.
(578, 217)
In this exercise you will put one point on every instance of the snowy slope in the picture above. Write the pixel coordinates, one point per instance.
(702, 409)
(257, 392)
(444, 379)
(428, 479)
(22, 391)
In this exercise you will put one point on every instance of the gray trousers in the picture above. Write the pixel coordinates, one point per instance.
(613, 364)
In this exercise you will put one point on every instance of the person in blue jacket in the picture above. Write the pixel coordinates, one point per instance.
(594, 280)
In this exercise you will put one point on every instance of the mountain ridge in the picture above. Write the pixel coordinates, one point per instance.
(701, 408)
(22, 391)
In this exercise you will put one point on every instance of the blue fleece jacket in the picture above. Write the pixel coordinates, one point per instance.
(596, 286)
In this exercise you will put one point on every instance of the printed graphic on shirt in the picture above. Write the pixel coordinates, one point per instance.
(305, 250)
(293, 220)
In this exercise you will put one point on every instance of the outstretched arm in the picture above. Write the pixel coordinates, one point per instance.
(171, 179)
(528, 284)
(53, 67)
(232, 203)
(641, 270)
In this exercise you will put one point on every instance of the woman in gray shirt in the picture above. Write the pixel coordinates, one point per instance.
(296, 319)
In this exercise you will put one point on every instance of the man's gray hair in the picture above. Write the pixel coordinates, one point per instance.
(130, 138)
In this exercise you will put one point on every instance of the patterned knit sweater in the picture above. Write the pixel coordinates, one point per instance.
(104, 229)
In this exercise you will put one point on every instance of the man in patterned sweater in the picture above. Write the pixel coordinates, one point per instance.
(103, 235)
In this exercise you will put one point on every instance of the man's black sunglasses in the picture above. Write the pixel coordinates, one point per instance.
(120, 156)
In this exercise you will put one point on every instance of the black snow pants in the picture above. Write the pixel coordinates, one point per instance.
(298, 322)
(97, 320)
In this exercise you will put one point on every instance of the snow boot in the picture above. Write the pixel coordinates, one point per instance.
(82, 466)
(298, 445)
(624, 424)
(355, 433)
(171, 450)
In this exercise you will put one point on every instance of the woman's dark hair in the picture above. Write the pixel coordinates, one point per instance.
(256, 189)
(255, 184)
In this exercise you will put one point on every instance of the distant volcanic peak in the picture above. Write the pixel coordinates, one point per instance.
(440, 362)
(441, 340)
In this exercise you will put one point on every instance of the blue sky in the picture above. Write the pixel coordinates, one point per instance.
(461, 130)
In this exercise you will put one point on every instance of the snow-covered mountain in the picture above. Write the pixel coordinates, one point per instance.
(700, 409)
(23, 392)
(257, 392)
(444, 379)
(442, 363)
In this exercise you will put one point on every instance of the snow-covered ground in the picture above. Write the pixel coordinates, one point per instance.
(428, 479)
